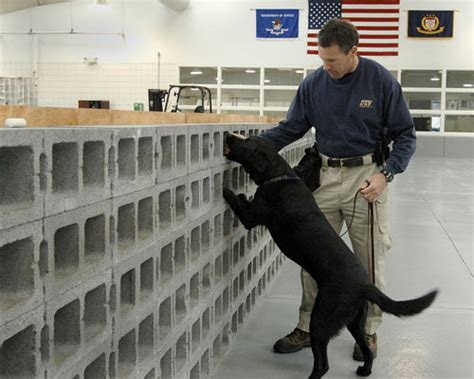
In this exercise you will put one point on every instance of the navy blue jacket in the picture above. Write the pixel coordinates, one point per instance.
(349, 115)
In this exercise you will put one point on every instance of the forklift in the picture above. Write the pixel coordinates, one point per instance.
(172, 100)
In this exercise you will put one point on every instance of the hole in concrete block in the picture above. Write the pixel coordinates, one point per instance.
(264, 283)
(248, 304)
(196, 335)
(181, 150)
(145, 156)
(17, 176)
(194, 149)
(94, 239)
(67, 332)
(225, 300)
(206, 190)
(259, 288)
(44, 348)
(96, 370)
(126, 226)
(127, 290)
(43, 172)
(254, 296)
(195, 194)
(218, 269)
(206, 323)
(93, 164)
(206, 277)
(145, 218)
(249, 271)
(113, 298)
(225, 337)
(180, 253)
(242, 281)
(127, 350)
(226, 180)
(205, 146)
(166, 263)
(181, 352)
(235, 254)
(180, 203)
(205, 236)
(166, 365)
(235, 222)
(16, 272)
(65, 167)
(217, 228)
(234, 323)
(66, 249)
(180, 305)
(111, 230)
(194, 290)
(146, 278)
(111, 160)
(17, 355)
(164, 326)
(195, 374)
(112, 363)
(195, 242)
(216, 349)
(242, 247)
(95, 312)
(249, 240)
(164, 210)
(205, 364)
(241, 313)
(227, 222)
(151, 374)
(242, 176)
(217, 188)
(218, 149)
(145, 337)
(218, 309)
(126, 159)
(235, 178)
(226, 262)
(235, 289)
(254, 266)
(166, 153)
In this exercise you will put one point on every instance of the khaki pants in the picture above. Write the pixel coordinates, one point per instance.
(335, 198)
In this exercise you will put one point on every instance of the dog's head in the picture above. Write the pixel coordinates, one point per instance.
(255, 154)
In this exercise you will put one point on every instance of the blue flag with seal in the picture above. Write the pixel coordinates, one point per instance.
(430, 24)
(277, 23)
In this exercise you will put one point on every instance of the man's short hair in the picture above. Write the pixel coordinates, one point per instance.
(338, 32)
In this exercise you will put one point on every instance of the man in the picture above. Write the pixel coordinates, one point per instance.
(349, 101)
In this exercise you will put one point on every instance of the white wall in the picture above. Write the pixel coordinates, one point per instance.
(205, 33)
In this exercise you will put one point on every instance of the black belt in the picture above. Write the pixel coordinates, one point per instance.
(348, 162)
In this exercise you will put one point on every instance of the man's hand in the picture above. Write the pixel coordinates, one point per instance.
(374, 186)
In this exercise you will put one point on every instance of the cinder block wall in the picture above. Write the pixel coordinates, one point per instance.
(118, 254)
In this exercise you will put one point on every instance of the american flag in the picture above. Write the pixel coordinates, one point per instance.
(376, 20)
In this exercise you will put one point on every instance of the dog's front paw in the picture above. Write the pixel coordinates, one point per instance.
(228, 194)
(363, 371)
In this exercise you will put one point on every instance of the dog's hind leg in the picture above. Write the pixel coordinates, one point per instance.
(357, 329)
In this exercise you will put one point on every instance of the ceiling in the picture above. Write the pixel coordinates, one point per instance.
(7, 6)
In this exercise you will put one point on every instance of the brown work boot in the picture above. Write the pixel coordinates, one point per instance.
(293, 342)
(372, 342)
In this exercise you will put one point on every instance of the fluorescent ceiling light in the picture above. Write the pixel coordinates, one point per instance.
(250, 71)
(196, 72)
(299, 71)
(434, 79)
(467, 85)
(266, 81)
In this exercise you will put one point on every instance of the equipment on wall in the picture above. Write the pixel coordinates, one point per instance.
(179, 97)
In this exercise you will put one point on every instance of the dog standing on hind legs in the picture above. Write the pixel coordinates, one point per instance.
(287, 208)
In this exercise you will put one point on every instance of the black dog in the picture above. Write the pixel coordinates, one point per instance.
(287, 208)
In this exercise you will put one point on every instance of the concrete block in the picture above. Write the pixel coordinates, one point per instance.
(21, 283)
(78, 172)
(23, 177)
(200, 192)
(173, 152)
(134, 159)
(77, 246)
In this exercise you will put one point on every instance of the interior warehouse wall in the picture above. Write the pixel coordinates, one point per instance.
(118, 254)
(206, 33)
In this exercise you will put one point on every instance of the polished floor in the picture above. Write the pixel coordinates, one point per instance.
(432, 231)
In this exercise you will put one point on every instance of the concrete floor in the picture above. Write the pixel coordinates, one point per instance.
(432, 232)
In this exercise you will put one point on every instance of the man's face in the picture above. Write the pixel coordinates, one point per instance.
(336, 63)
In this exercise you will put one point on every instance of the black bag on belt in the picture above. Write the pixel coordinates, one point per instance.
(309, 167)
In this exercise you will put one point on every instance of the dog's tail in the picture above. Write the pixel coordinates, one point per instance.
(398, 308)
